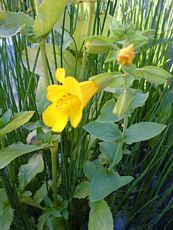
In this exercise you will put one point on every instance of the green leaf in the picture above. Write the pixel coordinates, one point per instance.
(13, 151)
(40, 194)
(41, 92)
(6, 116)
(102, 184)
(53, 222)
(11, 23)
(112, 56)
(28, 171)
(124, 102)
(125, 180)
(100, 217)
(82, 190)
(143, 131)
(3, 196)
(19, 120)
(109, 149)
(6, 218)
(107, 115)
(45, 216)
(154, 74)
(137, 40)
(118, 30)
(106, 131)
(48, 14)
(139, 99)
(6, 212)
(131, 70)
(91, 169)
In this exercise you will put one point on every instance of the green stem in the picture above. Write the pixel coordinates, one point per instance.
(37, 5)
(117, 153)
(2, 143)
(120, 145)
(91, 8)
(44, 61)
(54, 153)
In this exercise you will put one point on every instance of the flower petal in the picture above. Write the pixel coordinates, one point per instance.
(49, 115)
(60, 74)
(76, 117)
(72, 86)
(54, 92)
(61, 121)
(88, 89)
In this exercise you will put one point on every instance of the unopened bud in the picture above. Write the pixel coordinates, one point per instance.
(98, 44)
(126, 55)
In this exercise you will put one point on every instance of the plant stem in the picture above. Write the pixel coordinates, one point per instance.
(54, 153)
(2, 143)
(37, 5)
(91, 8)
(44, 61)
(120, 145)
(115, 157)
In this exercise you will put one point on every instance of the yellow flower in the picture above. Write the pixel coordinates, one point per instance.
(68, 101)
(88, 45)
(126, 55)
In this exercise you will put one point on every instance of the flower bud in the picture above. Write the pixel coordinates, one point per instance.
(103, 80)
(126, 55)
(98, 44)
(123, 102)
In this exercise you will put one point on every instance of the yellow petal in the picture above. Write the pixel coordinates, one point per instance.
(61, 121)
(72, 86)
(49, 115)
(76, 117)
(60, 74)
(88, 89)
(54, 92)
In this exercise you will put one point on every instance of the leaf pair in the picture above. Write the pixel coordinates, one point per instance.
(48, 13)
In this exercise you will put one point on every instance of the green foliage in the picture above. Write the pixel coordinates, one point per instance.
(102, 184)
(48, 14)
(18, 120)
(13, 151)
(5, 118)
(153, 74)
(40, 194)
(44, 218)
(11, 23)
(106, 132)
(142, 131)
(108, 78)
(106, 115)
(100, 216)
(6, 212)
(28, 171)
(82, 190)
(112, 56)
(123, 103)
(99, 44)
(41, 93)
(109, 149)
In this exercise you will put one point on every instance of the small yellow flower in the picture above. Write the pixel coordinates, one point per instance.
(68, 101)
(88, 45)
(126, 55)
